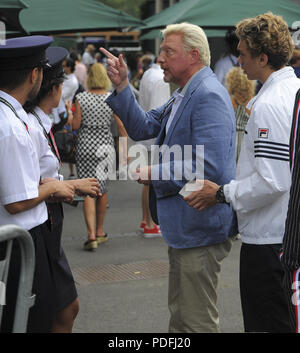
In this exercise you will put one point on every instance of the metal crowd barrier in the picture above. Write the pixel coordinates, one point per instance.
(25, 299)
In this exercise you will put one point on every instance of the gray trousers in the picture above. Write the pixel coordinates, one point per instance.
(193, 281)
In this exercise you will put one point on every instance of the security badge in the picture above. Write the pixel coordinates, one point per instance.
(263, 133)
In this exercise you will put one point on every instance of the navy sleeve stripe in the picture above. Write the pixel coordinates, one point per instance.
(272, 148)
(271, 143)
(272, 152)
(271, 157)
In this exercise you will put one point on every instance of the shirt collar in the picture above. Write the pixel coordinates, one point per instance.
(16, 105)
(185, 88)
(177, 94)
(46, 121)
(233, 59)
(286, 72)
(156, 66)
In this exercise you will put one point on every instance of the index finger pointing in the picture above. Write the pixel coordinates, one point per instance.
(107, 53)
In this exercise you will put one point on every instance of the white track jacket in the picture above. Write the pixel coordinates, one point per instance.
(260, 193)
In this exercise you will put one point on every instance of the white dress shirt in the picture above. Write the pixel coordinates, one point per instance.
(49, 164)
(19, 167)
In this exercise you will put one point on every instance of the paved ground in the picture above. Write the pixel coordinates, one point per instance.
(123, 285)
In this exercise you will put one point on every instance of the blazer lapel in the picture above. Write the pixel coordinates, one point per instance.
(188, 94)
(177, 116)
(161, 136)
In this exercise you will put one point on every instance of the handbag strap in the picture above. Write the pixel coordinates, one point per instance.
(4, 101)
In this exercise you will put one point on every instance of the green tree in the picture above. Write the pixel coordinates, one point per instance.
(131, 7)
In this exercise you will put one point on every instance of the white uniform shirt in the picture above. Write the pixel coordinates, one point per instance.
(49, 164)
(19, 167)
(153, 92)
(260, 193)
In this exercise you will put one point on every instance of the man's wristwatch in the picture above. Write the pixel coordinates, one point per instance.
(220, 197)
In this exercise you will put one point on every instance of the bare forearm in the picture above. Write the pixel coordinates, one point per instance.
(86, 186)
(45, 191)
(122, 131)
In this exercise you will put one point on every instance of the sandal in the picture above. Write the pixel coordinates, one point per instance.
(102, 239)
(90, 245)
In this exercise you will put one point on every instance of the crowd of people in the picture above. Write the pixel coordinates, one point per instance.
(245, 115)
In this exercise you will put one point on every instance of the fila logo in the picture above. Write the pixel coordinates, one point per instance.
(263, 133)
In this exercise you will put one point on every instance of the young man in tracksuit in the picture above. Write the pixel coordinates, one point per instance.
(260, 192)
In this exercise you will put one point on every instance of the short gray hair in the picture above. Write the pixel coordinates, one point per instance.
(193, 38)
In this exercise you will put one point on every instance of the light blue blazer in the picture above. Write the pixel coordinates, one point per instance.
(205, 118)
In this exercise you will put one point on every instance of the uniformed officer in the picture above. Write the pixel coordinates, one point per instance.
(65, 298)
(22, 197)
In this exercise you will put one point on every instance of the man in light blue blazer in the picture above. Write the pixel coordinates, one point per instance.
(199, 121)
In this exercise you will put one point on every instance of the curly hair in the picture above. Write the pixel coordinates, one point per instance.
(239, 87)
(268, 34)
